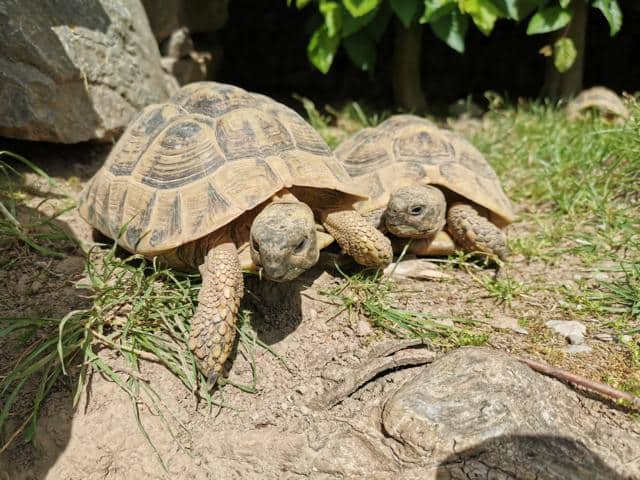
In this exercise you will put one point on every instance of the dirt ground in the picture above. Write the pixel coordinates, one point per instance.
(276, 432)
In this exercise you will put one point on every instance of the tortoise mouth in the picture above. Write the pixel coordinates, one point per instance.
(414, 231)
(281, 275)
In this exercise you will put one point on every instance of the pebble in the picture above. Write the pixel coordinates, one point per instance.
(625, 338)
(603, 337)
(573, 349)
(363, 328)
(416, 269)
(510, 323)
(35, 286)
(572, 330)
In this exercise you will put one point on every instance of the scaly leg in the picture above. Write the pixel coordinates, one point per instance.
(473, 232)
(213, 327)
(359, 238)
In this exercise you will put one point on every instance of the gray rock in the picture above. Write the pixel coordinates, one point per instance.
(179, 44)
(573, 349)
(572, 331)
(74, 70)
(198, 16)
(192, 68)
(482, 414)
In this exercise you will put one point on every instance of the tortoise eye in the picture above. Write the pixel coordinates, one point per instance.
(255, 245)
(300, 247)
(416, 210)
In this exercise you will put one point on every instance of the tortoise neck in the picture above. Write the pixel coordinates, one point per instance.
(284, 196)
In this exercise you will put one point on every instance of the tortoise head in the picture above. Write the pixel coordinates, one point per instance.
(415, 211)
(284, 242)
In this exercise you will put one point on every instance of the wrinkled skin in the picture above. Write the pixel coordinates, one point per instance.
(415, 211)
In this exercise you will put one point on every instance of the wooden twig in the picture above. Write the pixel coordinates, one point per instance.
(372, 368)
(580, 381)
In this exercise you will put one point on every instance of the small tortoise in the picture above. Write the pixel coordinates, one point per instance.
(605, 101)
(419, 178)
(218, 179)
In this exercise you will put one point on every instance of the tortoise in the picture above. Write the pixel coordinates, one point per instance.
(421, 178)
(606, 101)
(218, 179)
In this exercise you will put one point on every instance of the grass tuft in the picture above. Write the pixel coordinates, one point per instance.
(371, 294)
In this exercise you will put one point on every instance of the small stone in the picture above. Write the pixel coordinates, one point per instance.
(304, 410)
(416, 269)
(36, 286)
(601, 276)
(575, 339)
(603, 337)
(573, 349)
(626, 338)
(363, 328)
(572, 330)
(506, 322)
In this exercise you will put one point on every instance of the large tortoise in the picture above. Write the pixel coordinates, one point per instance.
(218, 179)
(420, 178)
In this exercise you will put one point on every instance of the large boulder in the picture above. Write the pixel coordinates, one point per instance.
(75, 70)
(477, 413)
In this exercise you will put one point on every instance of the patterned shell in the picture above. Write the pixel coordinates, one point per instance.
(405, 149)
(606, 101)
(188, 167)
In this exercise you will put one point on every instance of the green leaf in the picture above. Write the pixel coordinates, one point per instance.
(358, 8)
(376, 27)
(483, 13)
(564, 3)
(405, 10)
(332, 16)
(452, 29)
(549, 19)
(300, 4)
(611, 11)
(517, 9)
(322, 48)
(361, 50)
(351, 24)
(564, 54)
(434, 10)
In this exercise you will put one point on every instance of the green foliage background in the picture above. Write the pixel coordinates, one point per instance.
(358, 25)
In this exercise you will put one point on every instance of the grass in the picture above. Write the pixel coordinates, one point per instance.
(139, 309)
(371, 294)
(581, 178)
(579, 183)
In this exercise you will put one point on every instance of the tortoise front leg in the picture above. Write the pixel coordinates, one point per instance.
(359, 238)
(475, 233)
(213, 327)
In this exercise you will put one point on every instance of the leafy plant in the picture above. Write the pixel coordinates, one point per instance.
(358, 25)
(551, 16)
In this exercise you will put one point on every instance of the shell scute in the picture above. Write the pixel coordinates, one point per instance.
(186, 168)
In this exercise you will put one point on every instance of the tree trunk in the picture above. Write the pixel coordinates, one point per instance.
(407, 89)
(561, 85)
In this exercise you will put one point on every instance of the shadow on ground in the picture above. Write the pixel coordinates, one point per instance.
(527, 456)
(40, 261)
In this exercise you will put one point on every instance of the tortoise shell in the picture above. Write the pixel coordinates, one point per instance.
(406, 149)
(188, 167)
(606, 101)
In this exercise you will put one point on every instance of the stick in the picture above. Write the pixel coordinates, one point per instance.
(581, 381)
